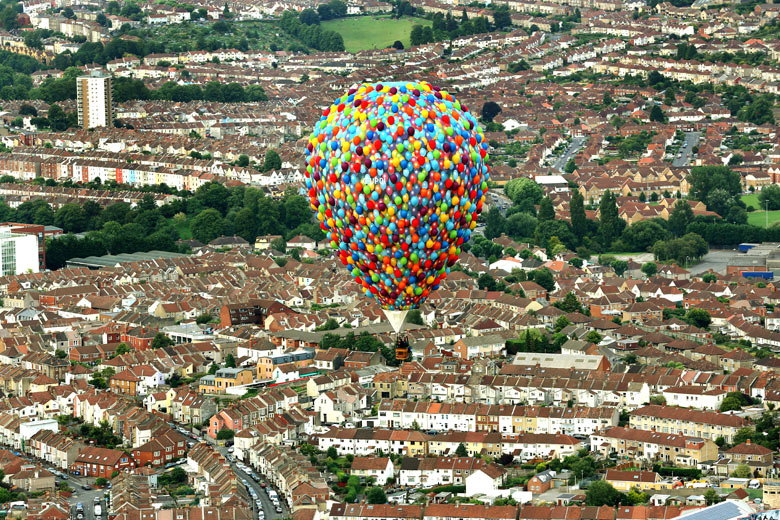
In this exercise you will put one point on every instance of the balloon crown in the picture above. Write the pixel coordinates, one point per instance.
(397, 175)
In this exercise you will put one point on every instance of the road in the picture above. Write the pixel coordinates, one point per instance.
(499, 200)
(87, 499)
(686, 150)
(268, 507)
(574, 147)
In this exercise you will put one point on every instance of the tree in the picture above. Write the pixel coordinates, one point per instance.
(376, 495)
(398, 44)
(742, 471)
(225, 434)
(230, 361)
(682, 215)
(243, 160)
(643, 235)
(704, 179)
(58, 119)
(579, 220)
(620, 267)
(461, 451)
(161, 341)
(656, 114)
(332, 453)
(698, 318)
(27, 110)
(121, 349)
(524, 192)
(546, 210)
(417, 37)
(594, 337)
(729, 403)
(415, 317)
(279, 244)
(494, 223)
(272, 161)
(490, 110)
(561, 323)
(570, 166)
(570, 303)
(601, 493)
(658, 399)
(68, 13)
(649, 269)
(711, 497)
(501, 17)
(544, 277)
(709, 278)
(207, 225)
(610, 223)
(309, 17)
(71, 218)
(768, 197)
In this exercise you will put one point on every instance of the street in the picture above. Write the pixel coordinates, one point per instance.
(268, 507)
(571, 150)
(686, 150)
(87, 499)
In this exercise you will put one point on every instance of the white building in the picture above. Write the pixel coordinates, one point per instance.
(18, 253)
(94, 100)
(694, 397)
(28, 429)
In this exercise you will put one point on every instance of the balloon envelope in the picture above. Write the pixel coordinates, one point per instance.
(397, 175)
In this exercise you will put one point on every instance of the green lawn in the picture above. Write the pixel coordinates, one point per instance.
(758, 218)
(373, 32)
(751, 200)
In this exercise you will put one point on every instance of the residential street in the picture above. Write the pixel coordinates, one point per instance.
(571, 150)
(686, 150)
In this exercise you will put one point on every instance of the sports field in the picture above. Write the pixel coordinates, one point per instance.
(373, 32)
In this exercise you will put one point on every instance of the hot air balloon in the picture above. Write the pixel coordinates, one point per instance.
(397, 174)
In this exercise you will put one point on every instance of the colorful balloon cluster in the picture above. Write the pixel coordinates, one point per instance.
(397, 174)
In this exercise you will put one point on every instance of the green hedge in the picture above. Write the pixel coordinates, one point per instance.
(688, 473)
(448, 489)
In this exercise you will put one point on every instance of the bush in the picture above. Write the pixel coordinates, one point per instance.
(448, 489)
(101, 481)
(225, 434)
(686, 473)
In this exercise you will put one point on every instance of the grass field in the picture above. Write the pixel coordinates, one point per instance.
(373, 32)
(751, 200)
(758, 218)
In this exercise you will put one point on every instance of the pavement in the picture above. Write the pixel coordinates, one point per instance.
(716, 260)
(686, 150)
(574, 147)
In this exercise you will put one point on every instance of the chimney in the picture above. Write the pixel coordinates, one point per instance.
(747, 442)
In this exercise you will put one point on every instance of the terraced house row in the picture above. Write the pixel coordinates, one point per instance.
(454, 416)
